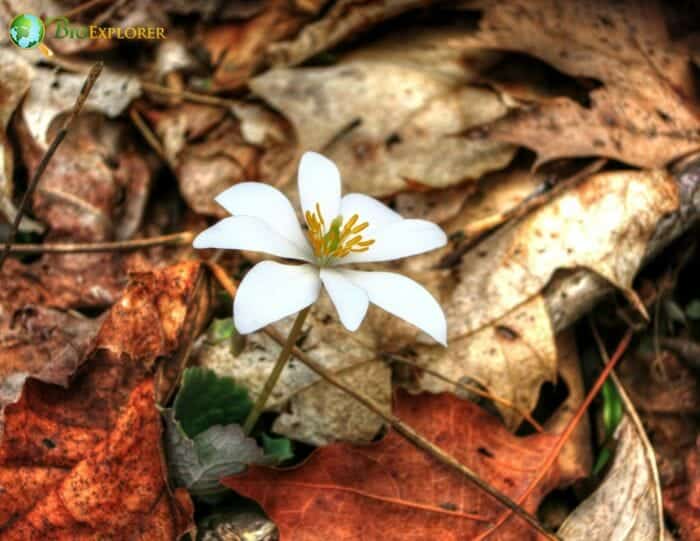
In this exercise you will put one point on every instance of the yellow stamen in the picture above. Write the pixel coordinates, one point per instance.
(336, 242)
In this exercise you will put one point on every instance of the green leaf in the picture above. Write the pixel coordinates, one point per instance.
(279, 449)
(220, 330)
(205, 400)
(693, 309)
(198, 463)
(612, 408)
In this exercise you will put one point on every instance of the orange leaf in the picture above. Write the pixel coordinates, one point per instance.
(392, 491)
(55, 436)
(118, 489)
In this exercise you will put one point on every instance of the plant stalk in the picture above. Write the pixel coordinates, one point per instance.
(276, 371)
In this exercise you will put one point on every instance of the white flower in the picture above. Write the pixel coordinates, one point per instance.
(352, 229)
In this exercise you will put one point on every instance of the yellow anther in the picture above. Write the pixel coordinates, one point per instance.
(335, 243)
(360, 227)
(320, 216)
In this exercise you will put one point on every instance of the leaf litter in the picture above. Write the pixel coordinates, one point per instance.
(413, 101)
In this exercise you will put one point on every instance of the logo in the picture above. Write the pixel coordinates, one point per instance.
(28, 31)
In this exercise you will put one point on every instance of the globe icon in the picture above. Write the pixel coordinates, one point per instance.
(26, 31)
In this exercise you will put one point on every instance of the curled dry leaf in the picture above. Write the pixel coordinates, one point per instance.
(343, 20)
(642, 114)
(496, 308)
(576, 457)
(237, 49)
(53, 434)
(391, 114)
(16, 76)
(627, 504)
(42, 343)
(115, 490)
(311, 409)
(211, 150)
(97, 184)
(403, 490)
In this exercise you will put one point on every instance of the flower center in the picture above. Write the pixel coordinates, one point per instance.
(340, 240)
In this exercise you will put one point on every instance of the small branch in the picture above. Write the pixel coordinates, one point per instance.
(472, 389)
(46, 158)
(220, 274)
(148, 134)
(566, 434)
(404, 430)
(187, 95)
(175, 239)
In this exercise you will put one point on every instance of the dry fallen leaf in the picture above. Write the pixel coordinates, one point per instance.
(52, 430)
(499, 326)
(643, 113)
(343, 20)
(116, 490)
(627, 504)
(16, 75)
(311, 409)
(390, 490)
(392, 114)
(42, 343)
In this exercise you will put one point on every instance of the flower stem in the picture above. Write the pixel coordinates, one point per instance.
(276, 371)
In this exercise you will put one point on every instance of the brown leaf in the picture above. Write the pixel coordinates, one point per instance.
(682, 501)
(343, 20)
(390, 490)
(52, 430)
(116, 490)
(41, 343)
(642, 114)
(392, 114)
(237, 49)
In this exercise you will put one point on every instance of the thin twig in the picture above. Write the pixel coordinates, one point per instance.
(174, 239)
(187, 95)
(566, 434)
(472, 389)
(404, 430)
(148, 134)
(46, 158)
(222, 277)
(84, 7)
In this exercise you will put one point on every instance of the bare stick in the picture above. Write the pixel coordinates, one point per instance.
(187, 95)
(175, 239)
(46, 158)
(148, 134)
(564, 436)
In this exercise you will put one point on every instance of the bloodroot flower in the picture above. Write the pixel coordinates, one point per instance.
(352, 229)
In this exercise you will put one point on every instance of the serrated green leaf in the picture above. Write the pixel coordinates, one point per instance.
(205, 400)
(279, 449)
(693, 309)
(220, 330)
(198, 463)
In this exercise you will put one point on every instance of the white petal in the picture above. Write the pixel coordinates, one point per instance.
(272, 291)
(399, 239)
(248, 233)
(267, 203)
(403, 298)
(369, 210)
(350, 300)
(319, 182)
